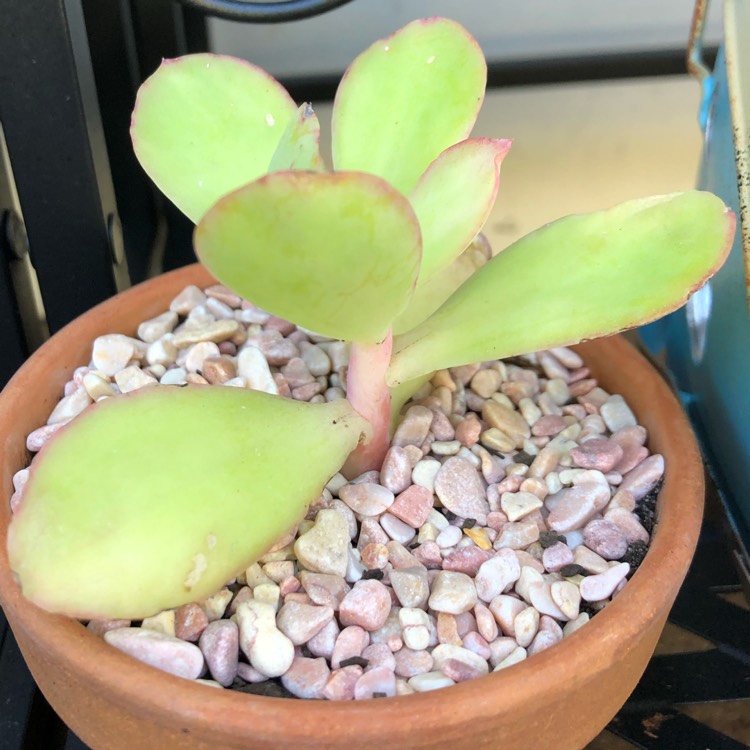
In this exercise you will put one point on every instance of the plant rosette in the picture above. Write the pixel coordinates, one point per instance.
(132, 509)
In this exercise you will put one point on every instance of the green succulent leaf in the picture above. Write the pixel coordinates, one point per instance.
(157, 498)
(428, 296)
(406, 99)
(335, 253)
(299, 147)
(453, 199)
(578, 278)
(203, 125)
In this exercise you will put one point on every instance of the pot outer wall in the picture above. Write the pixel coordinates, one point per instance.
(561, 698)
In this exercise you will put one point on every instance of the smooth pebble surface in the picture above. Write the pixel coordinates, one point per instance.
(517, 498)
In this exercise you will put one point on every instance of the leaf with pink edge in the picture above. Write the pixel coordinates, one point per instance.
(203, 125)
(576, 279)
(157, 498)
(335, 253)
(299, 147)
(406, 99)
(453, 199)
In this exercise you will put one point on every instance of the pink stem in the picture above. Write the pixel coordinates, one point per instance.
(368, 393)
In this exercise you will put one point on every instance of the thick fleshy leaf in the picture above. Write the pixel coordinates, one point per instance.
(203, 125)
(335, 253)
(453, 199)
(157, 498)
(406, 99)
(579, 278)
(429, 296)
(299, 147)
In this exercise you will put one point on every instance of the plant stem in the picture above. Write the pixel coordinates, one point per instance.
(368, 393)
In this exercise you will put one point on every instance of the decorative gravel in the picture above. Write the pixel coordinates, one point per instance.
(516, 500)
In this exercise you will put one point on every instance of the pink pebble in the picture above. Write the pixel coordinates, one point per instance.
(606, 539)
(598, 453)
(413, 505)
(548, 425)
(368, 605)
(476, 643)
(395, 473)
(307, 678)
(379, 655)
(341, 683)
(410, 663)
(598, 587)
(379, 681)
(466, 560)
(351, 642)
(460, 671)
(557, 556)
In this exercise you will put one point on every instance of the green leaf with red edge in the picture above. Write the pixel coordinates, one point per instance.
(335, 253)
(578, 278)
(203, 125)
(453, 200)
(406, 99)
(157, 498)
(299, 147)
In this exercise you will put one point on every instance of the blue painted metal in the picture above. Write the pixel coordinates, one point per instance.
(708, 342)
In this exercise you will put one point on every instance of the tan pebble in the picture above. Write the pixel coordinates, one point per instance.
(132, 378)
(215, 605)
(518, 391)
(517, 535)
(567, 597)
(622, 499)
(545, 462)
(504, 609)
(374, 556)
(193, 378)
(400, 557)
(112, 352)
(516, 505)
(500, 649)
(411, 586)
(268, 593)
(573, 625)
(506, 419)
(153, 329)
(548, 406)
(486, 382)
(589, 560)
(526, 625)
(325, 547)
(424, 473)
(97, 385)
(497, 440)
(496, 575)
(464, 373)
(444, 378)
(218, 369)
(278, 570)
(541, 599)
(452, 592)
(216, 331)
(162, 352)
(529, 575)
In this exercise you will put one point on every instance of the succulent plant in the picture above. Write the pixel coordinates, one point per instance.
(376, 252)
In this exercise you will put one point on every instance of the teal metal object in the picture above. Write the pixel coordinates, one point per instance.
(708, 342)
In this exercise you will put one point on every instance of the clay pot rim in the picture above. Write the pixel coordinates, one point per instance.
(647, 594)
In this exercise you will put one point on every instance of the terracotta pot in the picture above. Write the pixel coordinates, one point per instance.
(560, 698)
